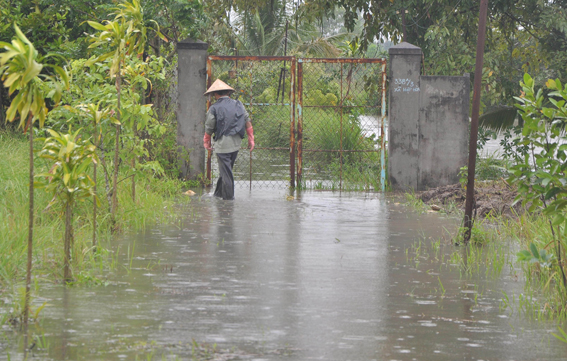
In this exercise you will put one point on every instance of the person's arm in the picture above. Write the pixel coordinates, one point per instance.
(248, 127)
(250, 132)
(210, 125)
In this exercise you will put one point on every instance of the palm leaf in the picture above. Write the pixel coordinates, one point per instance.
(319, 47)
(97, 26)
(499, 118)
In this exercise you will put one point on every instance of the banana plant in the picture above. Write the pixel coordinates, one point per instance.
(21, 70)
(67, 180)
(126, 34)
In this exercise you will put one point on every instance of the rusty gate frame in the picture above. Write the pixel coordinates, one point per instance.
(296, 90)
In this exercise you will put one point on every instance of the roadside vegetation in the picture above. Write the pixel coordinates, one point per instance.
(89, 265)
(72, 127)
(526, 190)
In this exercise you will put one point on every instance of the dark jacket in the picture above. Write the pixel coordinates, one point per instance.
(231, 117)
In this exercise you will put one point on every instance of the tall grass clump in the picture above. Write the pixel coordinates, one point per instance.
(13, 205)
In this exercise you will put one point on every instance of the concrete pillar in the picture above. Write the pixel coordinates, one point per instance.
(191, 107)
(403, 116)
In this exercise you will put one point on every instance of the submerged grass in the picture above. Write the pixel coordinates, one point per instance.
(494, 243)
(153, 197)
(545, 296)
(476, 259)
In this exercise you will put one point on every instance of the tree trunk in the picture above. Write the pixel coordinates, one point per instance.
(30, 227)
(134, 159)
(106, 180)
(116, 155)
(94, 197)
(68, 238)
(1, 107)
(94, 209)
(115, 178)
(559, 261)
(134, 179)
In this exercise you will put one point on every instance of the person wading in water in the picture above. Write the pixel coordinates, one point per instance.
(228, 121)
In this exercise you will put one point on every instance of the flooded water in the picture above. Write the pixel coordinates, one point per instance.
(492, 148)
(322, 276)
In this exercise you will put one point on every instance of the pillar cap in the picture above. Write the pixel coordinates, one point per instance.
(404, 48)
(192, 44)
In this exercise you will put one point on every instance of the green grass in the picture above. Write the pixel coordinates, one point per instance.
(493, 247)
(543, 285)
(154, 196)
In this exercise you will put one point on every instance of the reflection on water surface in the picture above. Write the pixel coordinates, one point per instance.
(266, 277)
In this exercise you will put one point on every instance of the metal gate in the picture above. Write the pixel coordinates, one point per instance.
(265, 85)
(338, 140)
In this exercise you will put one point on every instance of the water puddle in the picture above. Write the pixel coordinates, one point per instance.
(266, 277)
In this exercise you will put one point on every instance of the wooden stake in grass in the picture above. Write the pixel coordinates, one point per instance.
(116, 153)
(97, 115)
(29, 127)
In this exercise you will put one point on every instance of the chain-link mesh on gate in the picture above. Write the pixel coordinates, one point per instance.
(338, 139)
(341, 123)
(265, 86)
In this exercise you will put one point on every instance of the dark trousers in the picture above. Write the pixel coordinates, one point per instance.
(225, 184)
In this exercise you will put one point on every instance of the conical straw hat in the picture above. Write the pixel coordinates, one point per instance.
(218, 85)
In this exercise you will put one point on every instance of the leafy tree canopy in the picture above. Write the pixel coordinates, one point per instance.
(523, 35)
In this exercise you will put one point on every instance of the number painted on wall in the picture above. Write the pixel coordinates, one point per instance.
(404, 86)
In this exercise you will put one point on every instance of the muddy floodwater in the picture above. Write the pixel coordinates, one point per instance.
(320, 276)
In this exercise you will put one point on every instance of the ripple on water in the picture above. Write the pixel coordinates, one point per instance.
(354, 338)
(426, 302)
(427, 324)
(360, 321)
